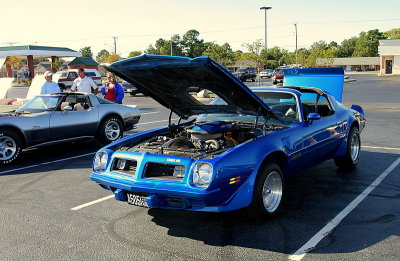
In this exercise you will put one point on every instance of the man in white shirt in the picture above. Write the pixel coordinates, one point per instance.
(49, 87)
(83, 83)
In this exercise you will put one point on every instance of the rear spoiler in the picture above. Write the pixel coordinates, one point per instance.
(328, 79)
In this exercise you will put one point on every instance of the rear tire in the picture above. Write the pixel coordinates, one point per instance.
(268, 193)
(10, 146)
(132, 93)
(110, 130)
(352, 156)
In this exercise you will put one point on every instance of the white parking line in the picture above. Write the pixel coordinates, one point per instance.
(46, 163)
(299, 254)
(383, 148)
(150, 122)
(92, 202)
(149, 112)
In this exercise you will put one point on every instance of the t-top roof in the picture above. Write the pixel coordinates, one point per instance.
(43, 51)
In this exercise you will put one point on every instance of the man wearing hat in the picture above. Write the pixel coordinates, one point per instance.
(49, 87)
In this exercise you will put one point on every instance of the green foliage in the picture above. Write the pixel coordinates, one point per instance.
(134, 53)
(86, 51)
(192, 46)
(347, 47)
(222, 54)
(367, 44)
(254, 54)
(392, 34)
(102, 56)
(57, 63)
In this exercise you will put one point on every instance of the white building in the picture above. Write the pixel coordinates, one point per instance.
(390, 56)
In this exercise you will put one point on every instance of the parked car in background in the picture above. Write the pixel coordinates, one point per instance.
(61, 117)
(277, 76)
(237, 153)
(246, 74)
(129, 88)
(65, 79)
(267, 73)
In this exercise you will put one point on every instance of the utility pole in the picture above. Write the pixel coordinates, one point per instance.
(295, 28)
(115, 44)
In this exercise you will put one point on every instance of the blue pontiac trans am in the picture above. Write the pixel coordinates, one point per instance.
(235, 152)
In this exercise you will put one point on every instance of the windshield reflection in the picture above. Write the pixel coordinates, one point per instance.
(40, 104)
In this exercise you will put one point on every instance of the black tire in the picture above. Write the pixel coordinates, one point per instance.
(352, 156)
(274, 82)
(132, 93)
(253, 79)
(10, 146)
(110, 130)
(268, 193)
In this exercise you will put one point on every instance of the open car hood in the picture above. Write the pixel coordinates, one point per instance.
(166, 79)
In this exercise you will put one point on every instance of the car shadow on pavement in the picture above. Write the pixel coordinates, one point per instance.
(311, 200)
(31, 160)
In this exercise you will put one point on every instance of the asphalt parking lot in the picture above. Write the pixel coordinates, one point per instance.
(50, 210)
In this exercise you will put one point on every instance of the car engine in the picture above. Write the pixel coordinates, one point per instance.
(202, 140)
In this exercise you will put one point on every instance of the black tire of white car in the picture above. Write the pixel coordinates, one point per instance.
(268, 193)
(110, 130)
(352, 156)
(10, 146)
(132, 93)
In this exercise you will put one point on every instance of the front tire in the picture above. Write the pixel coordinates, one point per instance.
(110, 130)
(10, 146)
(268, 193)
(352, 156)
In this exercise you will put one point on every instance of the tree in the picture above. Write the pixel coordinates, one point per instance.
(346, 48)
(112, 57)
(134, 53)
(86, 52)
(15, 62)
(392, 34)
(57, 63)
(274, 57)
(318, 46)
(191, 44)
(255, 51)
(222, 54)
(367, 44)
(102, 56)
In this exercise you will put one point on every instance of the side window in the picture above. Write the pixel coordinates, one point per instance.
(313, 102)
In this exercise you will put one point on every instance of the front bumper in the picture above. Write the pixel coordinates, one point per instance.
(169, 196)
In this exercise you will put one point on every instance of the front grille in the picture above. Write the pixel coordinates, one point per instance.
(164, 171)
(124, 166)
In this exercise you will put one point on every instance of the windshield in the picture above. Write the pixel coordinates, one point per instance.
(284, 106)
(41, 103)
(241, 70)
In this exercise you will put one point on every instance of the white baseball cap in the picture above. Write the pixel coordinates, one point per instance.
(47, 73)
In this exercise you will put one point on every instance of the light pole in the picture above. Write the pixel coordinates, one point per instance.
(265, 8)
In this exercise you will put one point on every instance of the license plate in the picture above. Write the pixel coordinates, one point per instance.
(137, 200)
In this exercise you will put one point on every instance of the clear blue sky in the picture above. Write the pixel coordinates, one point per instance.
(78, 23)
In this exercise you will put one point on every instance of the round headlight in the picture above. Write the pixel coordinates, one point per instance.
(202, 175)
(100, 161)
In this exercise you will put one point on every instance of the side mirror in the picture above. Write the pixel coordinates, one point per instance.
(67, 108)
(313, 116)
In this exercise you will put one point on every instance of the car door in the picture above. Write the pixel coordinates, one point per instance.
(80, 121)
(321, 136)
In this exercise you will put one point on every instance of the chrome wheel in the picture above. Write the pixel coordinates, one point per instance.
(8, 148)
(272, 191)
(112, 130)
(355, 147)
